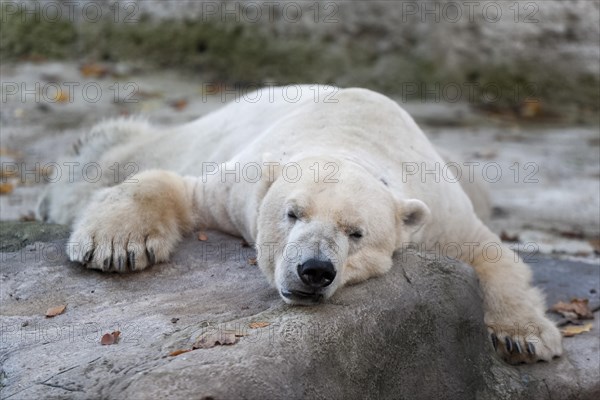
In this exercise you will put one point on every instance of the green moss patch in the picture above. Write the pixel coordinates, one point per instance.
(244, 53)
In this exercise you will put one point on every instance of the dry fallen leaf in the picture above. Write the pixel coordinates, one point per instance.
(595, 244)
(178, 352)
(256, 325)
(4, 151)
(573, 330)
(110, 338)
(252, 261)
(45, 171)
(54, 311)
(505, 237)
(214, 338)
(530, 108)
(202, 237)
(143, 94)
(107, 339)
(6, 188)
(30, 216)
(62, 96)
(212, 89)
(576, 309)
(179, 104)
(572, 234)
(92, 70)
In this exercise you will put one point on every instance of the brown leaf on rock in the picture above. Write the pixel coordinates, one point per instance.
(256, 325)
(6, 188)
(572, 234)
(178, 352)
(144, 95)
(62, 96)
(4, 151)
(107, 339)
(252, 261)
(179, 104)
(595, 244)
(576, 309)
(214, 338)
(110, 338)
(505, 237)
(93, 70)
(202, 237)
(530, 108)
(54, 311)
(30, 216)
(573, 330)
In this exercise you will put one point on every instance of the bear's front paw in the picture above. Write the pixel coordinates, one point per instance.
(117, 233)
(524, 338)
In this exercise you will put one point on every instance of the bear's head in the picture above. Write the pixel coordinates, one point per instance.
(324, 224)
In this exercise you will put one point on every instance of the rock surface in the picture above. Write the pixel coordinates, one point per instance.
(415, 333)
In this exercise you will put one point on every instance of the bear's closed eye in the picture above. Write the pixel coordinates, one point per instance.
(356, 235)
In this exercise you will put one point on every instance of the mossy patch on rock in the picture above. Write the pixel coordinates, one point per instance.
(16, 235)
(30, 36)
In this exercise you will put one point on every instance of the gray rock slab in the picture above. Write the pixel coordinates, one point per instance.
(415, 333)
(564, 279)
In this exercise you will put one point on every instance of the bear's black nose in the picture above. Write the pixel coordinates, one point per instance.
(316, 273)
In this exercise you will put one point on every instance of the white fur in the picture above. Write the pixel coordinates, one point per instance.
(362, 137)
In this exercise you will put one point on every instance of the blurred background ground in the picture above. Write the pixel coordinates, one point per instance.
(546, 196)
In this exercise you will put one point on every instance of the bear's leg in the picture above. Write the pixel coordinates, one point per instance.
(514, 310)
(134, 224)
(71, 190)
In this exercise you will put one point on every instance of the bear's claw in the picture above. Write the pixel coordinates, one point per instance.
(509, 345)
(131, 257)
(516, 348)
(88, 256)
(120, 263)
(530, 348)
(151, 257)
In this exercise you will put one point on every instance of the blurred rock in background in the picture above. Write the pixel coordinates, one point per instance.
(527, 58)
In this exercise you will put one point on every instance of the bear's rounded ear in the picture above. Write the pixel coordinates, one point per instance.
(412, 214)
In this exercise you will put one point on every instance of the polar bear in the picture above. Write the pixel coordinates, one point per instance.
(317, 178)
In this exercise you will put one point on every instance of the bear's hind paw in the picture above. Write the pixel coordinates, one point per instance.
(538, 339)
